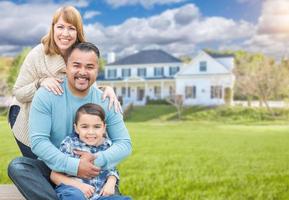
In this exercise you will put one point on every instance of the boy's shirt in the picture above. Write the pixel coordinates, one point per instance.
(70, 144)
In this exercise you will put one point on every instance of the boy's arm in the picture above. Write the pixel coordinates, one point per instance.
(112, 179)
(109, 186)
(58, 178)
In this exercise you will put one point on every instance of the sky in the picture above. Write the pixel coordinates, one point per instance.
(180, 27)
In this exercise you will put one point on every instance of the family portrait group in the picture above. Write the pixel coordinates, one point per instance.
(70, 137)
(144, 99)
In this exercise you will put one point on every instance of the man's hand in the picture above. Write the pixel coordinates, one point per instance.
(86, 168)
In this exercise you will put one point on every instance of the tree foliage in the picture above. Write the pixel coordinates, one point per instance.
(260, 76)
(16, 64)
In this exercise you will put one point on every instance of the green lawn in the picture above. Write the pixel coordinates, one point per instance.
(196, 160)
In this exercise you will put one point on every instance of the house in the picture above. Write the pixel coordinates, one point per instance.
(155, 74)
(207, 80)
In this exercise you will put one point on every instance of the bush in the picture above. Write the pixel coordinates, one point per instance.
(157, 102)
(224, 114)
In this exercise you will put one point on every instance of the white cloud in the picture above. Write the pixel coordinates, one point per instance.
(90, 14)
(272, 36)
(275, 17)
(178, 31)
(77, 3)
(144, 3)
(248, 1)
(24, 24)
(9, 50)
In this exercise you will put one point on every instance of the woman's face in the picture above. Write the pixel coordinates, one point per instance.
(65, 35)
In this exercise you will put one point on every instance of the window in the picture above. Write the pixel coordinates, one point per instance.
(191, 92)
(174, 70)
(157, 91)
(159, 71)
(203, 66)
(216, 92)
(125, 73)
(141, 72)
(111, 73)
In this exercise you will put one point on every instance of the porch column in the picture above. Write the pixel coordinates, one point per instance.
(146, 93)
(162, 89)
(126, 98)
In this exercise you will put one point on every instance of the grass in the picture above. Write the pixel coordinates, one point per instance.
(195, 159)
(8, 149)
(187, 160)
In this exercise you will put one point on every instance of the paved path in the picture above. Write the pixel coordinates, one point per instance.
(10, 192)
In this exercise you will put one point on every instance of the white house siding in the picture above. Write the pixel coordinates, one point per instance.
(203, 88)
(227, 62)
(141, 85)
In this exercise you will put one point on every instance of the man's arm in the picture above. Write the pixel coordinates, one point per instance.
(121, 142)
(40, 122)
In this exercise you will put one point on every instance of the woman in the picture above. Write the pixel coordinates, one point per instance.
(44, 66)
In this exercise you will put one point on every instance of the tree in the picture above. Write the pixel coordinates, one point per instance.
(14, 70)
(258, 75)
(228, 96)
(177, 102)
(3, 88)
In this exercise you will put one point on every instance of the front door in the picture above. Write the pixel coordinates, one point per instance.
(140, 94)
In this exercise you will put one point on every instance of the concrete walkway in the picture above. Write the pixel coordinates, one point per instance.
(10, 192)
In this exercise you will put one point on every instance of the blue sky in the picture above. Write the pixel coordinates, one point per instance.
(180, 27)
(113, 15)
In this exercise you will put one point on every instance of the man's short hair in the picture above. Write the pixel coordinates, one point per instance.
(85, 46)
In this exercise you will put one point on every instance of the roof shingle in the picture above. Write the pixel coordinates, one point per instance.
(147, 57)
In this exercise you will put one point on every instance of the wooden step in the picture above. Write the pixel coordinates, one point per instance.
(10, 192)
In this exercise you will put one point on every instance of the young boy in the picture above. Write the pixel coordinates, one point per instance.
(90, 136)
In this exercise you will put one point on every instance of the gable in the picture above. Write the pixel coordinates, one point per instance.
(213, 66)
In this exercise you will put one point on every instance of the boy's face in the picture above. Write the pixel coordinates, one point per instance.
(90, 129)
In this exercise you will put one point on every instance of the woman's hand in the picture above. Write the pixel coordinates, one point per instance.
(109, 92)
(52, 85)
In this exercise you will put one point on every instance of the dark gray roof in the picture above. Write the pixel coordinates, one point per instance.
(147, 57)
(219, 55)
(102, 78)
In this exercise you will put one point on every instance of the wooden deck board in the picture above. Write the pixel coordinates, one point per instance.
(10, 192)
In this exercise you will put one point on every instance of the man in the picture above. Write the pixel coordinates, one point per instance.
(51, 120)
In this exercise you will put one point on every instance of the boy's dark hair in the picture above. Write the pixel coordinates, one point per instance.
(85, 46)
(91, 109)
